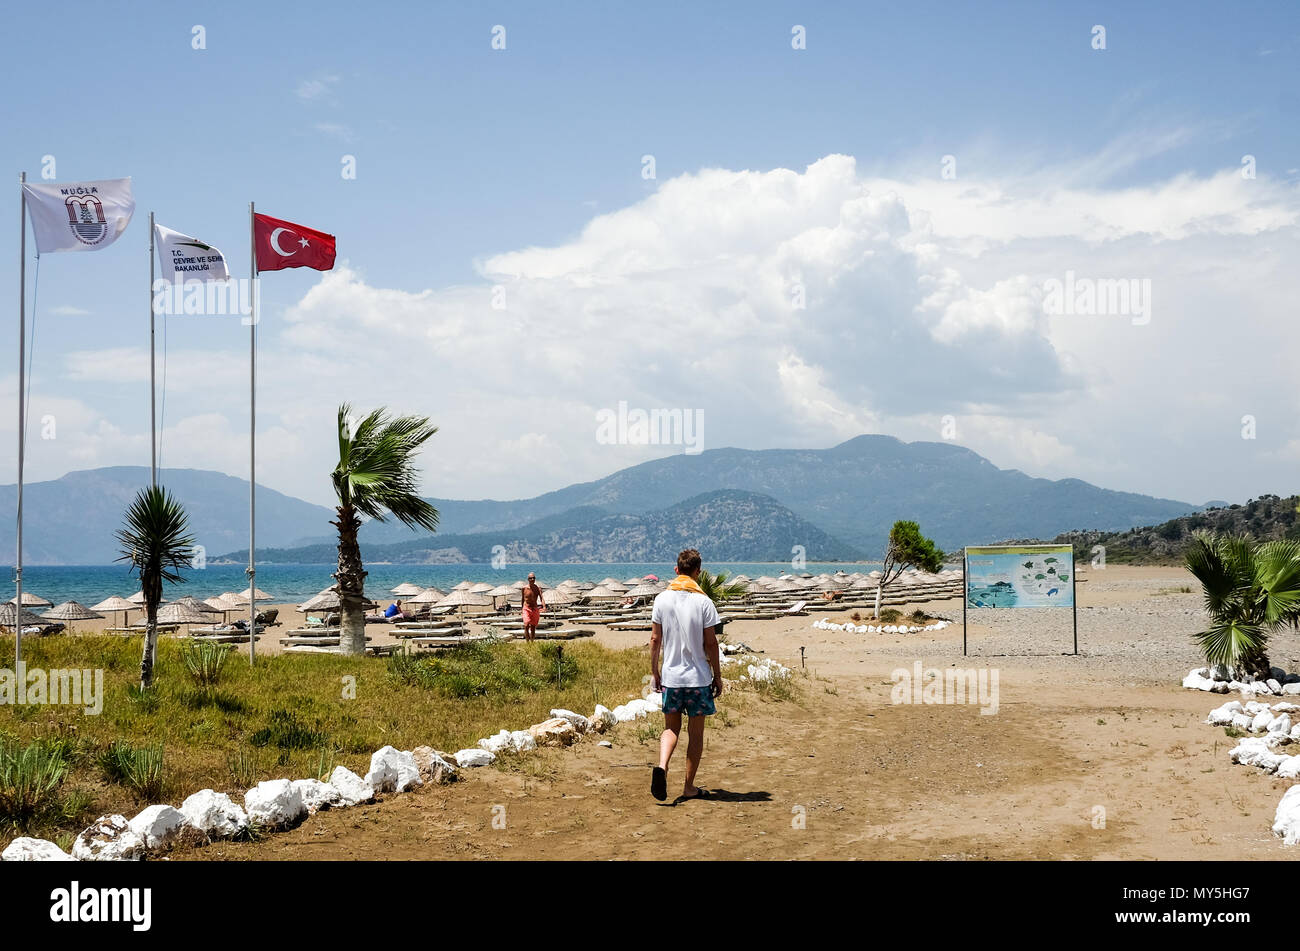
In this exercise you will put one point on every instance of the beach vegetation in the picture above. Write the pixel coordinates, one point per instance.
(907, 548)
(1250, 592)
(376, 478)
(294, 705)
(156, 543)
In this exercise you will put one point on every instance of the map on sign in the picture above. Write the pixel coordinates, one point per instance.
(1029, 576)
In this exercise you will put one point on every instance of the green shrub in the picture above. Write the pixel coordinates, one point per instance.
(30, 777)
(139, 768)
(205, 660)
(287, 732)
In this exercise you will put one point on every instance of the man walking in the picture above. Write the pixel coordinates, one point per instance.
(533, 607)
(684, 628)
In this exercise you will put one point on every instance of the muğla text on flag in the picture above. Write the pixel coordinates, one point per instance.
(281, 244)
(183, 258)
(79, 216)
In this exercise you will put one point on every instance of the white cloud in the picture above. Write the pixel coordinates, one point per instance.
(919, 300)
(310, 90)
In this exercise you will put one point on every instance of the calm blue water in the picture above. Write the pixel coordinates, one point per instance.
(295, 583)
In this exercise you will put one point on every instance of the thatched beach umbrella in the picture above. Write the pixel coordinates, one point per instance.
(645, 589)
(33, 601)
(481, 588)
(427, 596)
(561, 596)
(114, 604)
(463, 598)
(71, 611)
(463, 586)
(406, 589)
(600, 593)
(184, 612)
(137, 599)
(25, 617)
(505, 591)
(260, 595)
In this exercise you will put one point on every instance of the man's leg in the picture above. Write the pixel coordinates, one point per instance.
(667, 743)
(694, 749)
(668, 739)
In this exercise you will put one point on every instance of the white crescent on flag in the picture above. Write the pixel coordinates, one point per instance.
(275, 243)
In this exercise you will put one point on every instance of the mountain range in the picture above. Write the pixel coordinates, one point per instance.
(838, 503)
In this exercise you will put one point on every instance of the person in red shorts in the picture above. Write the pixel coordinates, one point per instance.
(534, 605)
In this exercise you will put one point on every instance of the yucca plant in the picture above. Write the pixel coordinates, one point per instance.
(1250, 592)
(375, 477)
(29, 777)
(205, 661)
(156, 543)
(140, 768)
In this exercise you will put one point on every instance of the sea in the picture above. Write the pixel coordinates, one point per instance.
(285, 583)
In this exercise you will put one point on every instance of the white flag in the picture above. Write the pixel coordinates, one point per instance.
(79, 216)
(188, 259)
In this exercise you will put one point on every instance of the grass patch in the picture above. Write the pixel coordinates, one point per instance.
(291, 716)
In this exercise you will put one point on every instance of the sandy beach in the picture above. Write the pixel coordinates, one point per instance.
(1101, 755)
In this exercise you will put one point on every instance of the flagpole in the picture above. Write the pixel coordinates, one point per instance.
(22, 373)
(252, 436)
(153, 413)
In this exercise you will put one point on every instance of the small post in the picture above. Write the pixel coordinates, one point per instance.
(801, 658)
(1074, 598)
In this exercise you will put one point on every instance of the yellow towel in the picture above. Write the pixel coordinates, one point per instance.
(685, 583)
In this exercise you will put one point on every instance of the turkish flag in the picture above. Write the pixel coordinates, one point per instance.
(281, 244)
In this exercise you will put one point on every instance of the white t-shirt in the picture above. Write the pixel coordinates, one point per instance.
(684, 615)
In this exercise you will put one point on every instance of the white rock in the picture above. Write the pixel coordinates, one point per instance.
(1195, 681)
(577, 719)
(108, 839)
(521, 741)
(1295, 731)
(1291, 689)
(158, 826)
(1261, 721)
(1254, 706)
(1274, 740)
(1289, 768)
(392, 770)
(274, 803)
(352, 789)
(1241, 721)
(1274, 685)
(24, 849)
(655, 701)
(1286, 822)
(1281, 724)
(1219, 672)
(1222, 716)
(1252, 751)
(465, 758)
(496, 744)
(317, 795)
(603, 718)
(1284, 707)
(214, 814)
(609, 744)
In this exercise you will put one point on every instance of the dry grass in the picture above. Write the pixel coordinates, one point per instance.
(289, 716)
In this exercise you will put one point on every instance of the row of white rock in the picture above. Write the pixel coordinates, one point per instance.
(1221, 679)
(1274, 722)
(278, 803)
(825, 624)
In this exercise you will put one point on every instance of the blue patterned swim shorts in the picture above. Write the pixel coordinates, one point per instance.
(693, 701)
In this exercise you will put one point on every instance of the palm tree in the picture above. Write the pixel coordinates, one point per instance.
(375, 477)
(1250, 592)
(719, 589)
(156, 542)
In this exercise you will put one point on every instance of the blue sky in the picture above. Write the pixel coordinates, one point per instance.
(466, 156)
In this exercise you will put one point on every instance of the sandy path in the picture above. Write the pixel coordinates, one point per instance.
(1075, 739)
